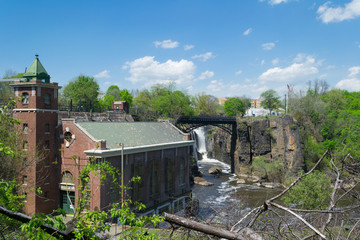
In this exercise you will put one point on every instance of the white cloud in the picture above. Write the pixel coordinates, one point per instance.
(302, 67)
(275, 61)
(188, 47)
(352, 82)
(166, 44)
(268, 46)
(204, 57)
(275, 2)
(354, 71)
(103, 74)
(238, 72)
(205, 75)
(149, 71)
(215, 86)
(330, 14)
(247, 31)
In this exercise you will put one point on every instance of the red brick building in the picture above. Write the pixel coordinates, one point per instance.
(156, 151)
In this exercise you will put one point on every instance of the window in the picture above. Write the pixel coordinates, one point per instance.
(47, 162)
(170, 172)
(25, 197)
(24, 180)
(155, 177)
(67, 177)
(182, 171)
(47, 128)
(46, 196)
(25, 128)
(47, 179)
(68, 136)
(25, 145)
(138, 187)
(47, 145)
(47, 99)
(25, 98)
(25, 163)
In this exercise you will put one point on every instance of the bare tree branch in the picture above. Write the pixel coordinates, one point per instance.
(298, 217)
(190, 224)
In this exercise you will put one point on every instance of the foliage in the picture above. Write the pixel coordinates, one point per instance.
(90, 222)
(162, 101)
(11, 151)
(205, 104)
(312, 192)
(235, 106)
(271, 171)
(83, 90)
(271, 100)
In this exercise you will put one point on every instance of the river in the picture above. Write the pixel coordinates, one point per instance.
(226, 198)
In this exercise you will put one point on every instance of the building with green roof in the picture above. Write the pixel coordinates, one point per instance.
(158, 152)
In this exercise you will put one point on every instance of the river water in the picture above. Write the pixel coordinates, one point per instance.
(226, 198)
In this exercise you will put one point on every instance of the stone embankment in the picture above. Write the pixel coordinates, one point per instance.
(274, 139)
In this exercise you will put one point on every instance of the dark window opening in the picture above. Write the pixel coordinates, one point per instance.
(25, 98)
(47, 99)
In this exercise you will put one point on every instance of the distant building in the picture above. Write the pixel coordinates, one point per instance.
(255, 103)
(121, 106)
(222, 100)
(156, 151)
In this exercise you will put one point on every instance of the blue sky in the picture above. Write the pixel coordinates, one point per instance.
(223, 48)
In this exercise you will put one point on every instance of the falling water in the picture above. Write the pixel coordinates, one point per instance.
(200, 141)
(225, 191)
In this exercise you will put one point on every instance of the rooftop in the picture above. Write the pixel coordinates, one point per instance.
(133, 134)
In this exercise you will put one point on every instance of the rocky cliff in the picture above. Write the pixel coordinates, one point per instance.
(275, 140)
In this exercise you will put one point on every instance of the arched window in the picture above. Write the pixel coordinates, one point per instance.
(47, 99)
(25, 98)
(67, 177)
(25, 145)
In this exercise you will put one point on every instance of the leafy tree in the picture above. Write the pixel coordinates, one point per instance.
(271, 100)
(126, 96)
(11, 150)
(162, 101)
(312, 192)
(235, 106)
(205, 104)
(114, 91)
(83, 90)
(6, 91)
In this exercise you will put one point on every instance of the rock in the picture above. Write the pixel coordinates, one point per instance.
(253, 179)
(215, 170)
(202, 182)
(240, 181)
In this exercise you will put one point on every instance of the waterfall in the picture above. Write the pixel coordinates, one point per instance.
(200, 141)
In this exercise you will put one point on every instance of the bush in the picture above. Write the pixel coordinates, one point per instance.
(312, 192)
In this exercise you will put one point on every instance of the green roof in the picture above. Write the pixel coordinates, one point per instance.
(37, 71)
(133, 134)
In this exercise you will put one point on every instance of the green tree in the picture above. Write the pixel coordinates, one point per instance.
(205, 104)
(312, 192)
(11, 145)
(271, 100)
(162, 101)
(114, 91)
(83, 90)
(235, 106)
(125, 95)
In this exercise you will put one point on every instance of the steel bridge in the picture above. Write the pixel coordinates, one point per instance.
(188, 123)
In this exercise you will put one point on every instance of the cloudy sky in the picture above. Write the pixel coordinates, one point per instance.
(223, 48)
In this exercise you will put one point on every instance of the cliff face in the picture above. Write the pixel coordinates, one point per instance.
(275, 140)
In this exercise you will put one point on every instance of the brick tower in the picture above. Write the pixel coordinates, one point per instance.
(37, 109)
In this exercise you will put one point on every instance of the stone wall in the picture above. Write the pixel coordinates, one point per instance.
(275, 139)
